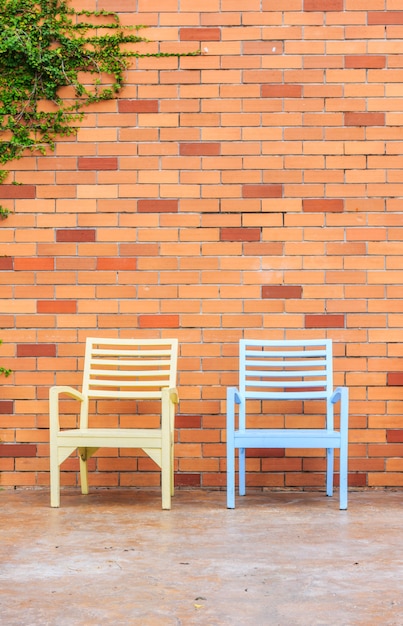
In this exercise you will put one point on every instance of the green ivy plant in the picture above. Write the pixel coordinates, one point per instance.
(46, 45)
(4, 370)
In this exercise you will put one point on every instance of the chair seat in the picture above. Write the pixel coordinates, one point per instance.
(111, 437)
(287, 438)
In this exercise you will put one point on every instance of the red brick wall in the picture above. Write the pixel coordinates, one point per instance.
(253, 191)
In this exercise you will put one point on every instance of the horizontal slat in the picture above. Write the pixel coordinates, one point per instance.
(131, 352)
(286, 384)
(285, 353)
(285, 395)
(111, 437)
(116, 393)
(297, 374)
(283, 363)
(130, 373)
(98, 382)
(131, 362)
(289, 438)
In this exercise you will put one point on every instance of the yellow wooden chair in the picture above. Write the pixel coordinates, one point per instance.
(128, 369)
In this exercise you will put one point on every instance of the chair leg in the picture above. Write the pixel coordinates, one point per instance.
(172, 471)
(242, 472)
(166, 475)
(329, 471)
(230, 476)
(84, 476)
(54, 479)
(343, 476)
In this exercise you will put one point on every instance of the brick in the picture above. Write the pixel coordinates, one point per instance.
(200, 34)
(6, 263)
(67, 235)
(385, 17)
(200, 149)
(394, 435)
(324, 321)
(240, 234)
(18, 191)
(97, 163)
(395, 379)
(125, 264)
(262, 191)
(188, 421)
(36, 350)
(138, 106)
(273, 453)
(6, 407)
(366, 61)
(159, 321)
(157, 206)
(281, 91)
(281, 291)
(57, 306)
(364, 119)
(263, 47)
(187, 480)
(323, 5)
(16, 450)
(23, 264)
(324, 205)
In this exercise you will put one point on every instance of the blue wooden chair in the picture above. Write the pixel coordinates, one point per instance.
(279, 371)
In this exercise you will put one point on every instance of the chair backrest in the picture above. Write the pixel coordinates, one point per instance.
(286, 369)
(129, 368)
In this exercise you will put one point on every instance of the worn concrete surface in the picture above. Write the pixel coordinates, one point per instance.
(114, 557)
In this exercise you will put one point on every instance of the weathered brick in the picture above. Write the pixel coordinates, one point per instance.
(138, 106)
(200, 149)
(18, 450)
(395, 379)
(281, 291)
(324, 321)
(97, 163)
(75, 235)
(157, 206)
(281, 91)
(240, 234)
(200, 34)
(262, 191)
(125, 264)
(6, 263)
(310, 205)
(57, 306)
(323, 5)
(187, 480)
(18, 191)
(158, 321)
(364, 119)
(188, 421)
(36, 350)
(366, 61)
(385, 17)
(394, 435)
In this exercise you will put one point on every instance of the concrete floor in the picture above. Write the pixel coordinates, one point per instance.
(114, 557)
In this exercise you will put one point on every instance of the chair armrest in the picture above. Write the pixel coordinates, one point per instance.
(173, 395)
(234, 395)
(70, 391)
(340, 394)
(54, 394)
